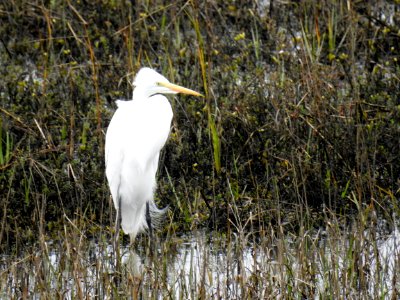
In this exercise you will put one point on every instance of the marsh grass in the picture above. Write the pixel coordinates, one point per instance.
(327, 263)
(292, 155)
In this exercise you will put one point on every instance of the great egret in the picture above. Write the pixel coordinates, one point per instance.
(136, 134)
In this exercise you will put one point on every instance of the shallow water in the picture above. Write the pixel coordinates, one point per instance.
(205, 265)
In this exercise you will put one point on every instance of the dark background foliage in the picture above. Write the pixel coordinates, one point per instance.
(302, 108)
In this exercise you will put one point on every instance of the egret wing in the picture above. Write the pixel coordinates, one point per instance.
(135, 136)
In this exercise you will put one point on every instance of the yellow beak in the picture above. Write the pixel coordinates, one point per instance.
(179, 89)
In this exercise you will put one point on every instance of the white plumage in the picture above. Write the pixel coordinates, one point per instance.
(135, 136)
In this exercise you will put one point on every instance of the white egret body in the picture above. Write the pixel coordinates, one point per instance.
(136, 134)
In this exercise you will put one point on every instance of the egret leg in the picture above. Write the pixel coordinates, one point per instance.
(116, 237)
(117, 224)
(148, 220)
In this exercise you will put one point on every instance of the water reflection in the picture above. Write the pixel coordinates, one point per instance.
(227, 269)
(133, 264)
(206, 265)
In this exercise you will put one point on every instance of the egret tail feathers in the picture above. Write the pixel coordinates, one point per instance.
(156, 215)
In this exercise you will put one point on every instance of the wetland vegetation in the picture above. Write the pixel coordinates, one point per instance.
(284, 181)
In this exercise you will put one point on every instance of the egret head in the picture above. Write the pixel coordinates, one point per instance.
(148, 83)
